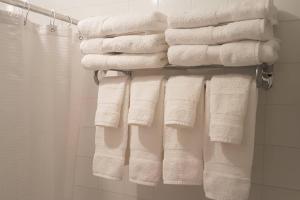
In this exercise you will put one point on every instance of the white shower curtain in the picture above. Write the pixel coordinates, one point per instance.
(40, 85)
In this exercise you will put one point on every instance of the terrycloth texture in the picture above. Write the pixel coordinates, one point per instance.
(144, 95)
(241, 53)
(239, 11)
(229, 96)
(258, 29)
(125, 44)
(227, 167)
(111, 144)
(145, 164)
(110, 100)
(124, 61)
(122, 25)
(183, 146)
(182, 99)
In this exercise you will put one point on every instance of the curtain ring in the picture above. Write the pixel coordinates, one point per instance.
(28, 6)
(70, 21)
(52, 23)
(80, 37)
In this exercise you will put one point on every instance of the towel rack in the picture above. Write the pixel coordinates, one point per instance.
(264, 72)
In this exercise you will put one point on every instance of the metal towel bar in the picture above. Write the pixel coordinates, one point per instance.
(264, 72)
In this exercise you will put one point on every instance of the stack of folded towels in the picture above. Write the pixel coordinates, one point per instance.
(124, 41)
(237, 34)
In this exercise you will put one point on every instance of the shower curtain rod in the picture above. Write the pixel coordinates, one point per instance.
(43, 11)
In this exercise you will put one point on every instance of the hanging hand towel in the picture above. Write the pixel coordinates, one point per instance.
(124, 61)
(243, 53)
(144, 96)
(182, 99)
(227, 167)
(258, 29)
(182, 162)
(111, 142)
(125, 44)
(122, 25)
(239, 11)
(229, 96)
(110, 100)
(145, 164)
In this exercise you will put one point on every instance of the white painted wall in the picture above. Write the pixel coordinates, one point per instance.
(276, 174)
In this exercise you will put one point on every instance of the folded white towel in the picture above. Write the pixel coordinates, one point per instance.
(145, 164)
(229, 96)
(122, 24)
(243, 53)
(125, 44)
(111, 143)
(110, 100)
(144, 94)
(182, 99)
(183, 146)
(230, 12)
(124, 61)
(258, 29)
(227, 167)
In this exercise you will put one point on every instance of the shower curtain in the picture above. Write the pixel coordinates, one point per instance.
(40, 97)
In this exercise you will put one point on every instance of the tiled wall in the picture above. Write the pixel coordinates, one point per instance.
(276, 170)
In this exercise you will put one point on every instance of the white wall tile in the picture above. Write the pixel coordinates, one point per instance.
(178, 192)
(260, 124)
(288, 9)
(83, 173)
(282, 125)
(86, 142)
(273, 193)
(286, 85)
(96, 10)
(112, 186)
(133, 189)
(281, 167)
(288, 32)
(258, 162)
(174, 6)
(142, 6)
(256, 192)
(212, 4)
(82, 193)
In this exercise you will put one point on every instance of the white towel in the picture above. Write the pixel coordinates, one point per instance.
(110, 100)
(124, 61)
(243, 53)
(122, 24)
(111, 143)
(258, 29)
(227, 167)
(183, 146)
(144, 94)
(229, 96)
(230, 12)
(182, 99)
(153, 43)
(145, 164)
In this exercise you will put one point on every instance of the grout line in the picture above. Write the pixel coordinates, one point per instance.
(281, 105)
(278, 187)
(86, 187)
(84, 156)
(282, 146)
(287, 20)
(286, 63)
